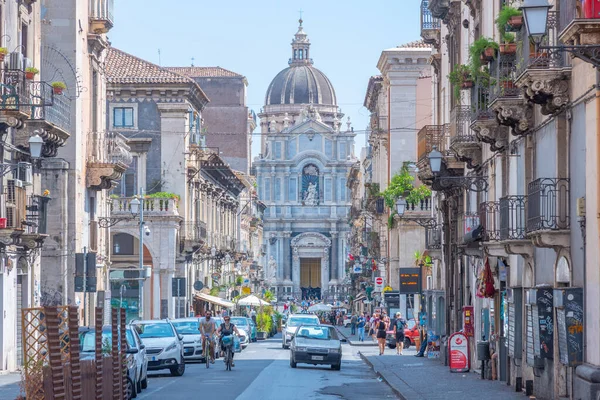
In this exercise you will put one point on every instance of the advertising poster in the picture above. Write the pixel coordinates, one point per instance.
(459, 353)
(433, 345)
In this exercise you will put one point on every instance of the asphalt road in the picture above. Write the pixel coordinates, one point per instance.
(262, 371)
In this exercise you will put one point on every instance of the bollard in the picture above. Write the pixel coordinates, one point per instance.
(518, 384)
(528, 388)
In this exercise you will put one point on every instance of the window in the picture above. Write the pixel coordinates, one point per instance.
(293, 190)
(343, 195)
(123, 117)
(123, 244)
(277, 150)
(277, 189)
(327, 189)
(291, 149)
(328, 148)
(342, 152)
(267, 189)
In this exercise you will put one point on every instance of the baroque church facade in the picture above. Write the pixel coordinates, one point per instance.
(301, 174)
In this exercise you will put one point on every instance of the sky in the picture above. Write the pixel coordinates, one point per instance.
(253, 38)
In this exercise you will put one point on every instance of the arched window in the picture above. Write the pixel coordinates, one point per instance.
(301, 54)
(310, 185)
(122, 244)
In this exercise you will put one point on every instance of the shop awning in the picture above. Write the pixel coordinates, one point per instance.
(360, 296)
(214, 300)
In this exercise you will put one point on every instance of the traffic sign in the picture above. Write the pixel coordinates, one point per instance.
(246, 281)
(198, 285)
(246, 290)
(379, 284)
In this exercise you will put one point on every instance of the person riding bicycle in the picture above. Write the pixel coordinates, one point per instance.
(227, 328)
(207, 329)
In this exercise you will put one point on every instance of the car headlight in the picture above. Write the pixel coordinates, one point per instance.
(334, 351)
(198, 341)
(172, 346)
(130, 362)
(300, 348)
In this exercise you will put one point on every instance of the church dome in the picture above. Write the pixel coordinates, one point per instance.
(300, 83)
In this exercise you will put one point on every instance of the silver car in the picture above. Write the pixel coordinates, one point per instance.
(316, 345)
(292, 323)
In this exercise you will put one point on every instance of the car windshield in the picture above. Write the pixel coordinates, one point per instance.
(316, 332)
(155, 330)
(239, 321)
(187, 327)
(87, 340)
(303, 321)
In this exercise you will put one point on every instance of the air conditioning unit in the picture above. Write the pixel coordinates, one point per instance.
(25, 173)
(15, 61)
(18, 183)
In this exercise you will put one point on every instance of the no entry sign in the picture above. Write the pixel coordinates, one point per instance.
(458, 347)
(379, 284)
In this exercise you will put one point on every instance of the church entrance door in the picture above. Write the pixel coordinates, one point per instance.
(310, 278)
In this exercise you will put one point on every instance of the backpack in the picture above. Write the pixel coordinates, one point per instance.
(400, 325)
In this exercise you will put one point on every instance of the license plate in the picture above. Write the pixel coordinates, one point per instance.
(317, 358)
(153, 358)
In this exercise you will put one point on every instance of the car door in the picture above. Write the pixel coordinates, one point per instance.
(143, 361)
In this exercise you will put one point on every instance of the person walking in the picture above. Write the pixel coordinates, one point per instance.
(353, 321)
(381, 329)
(399, 326)
(361, 321)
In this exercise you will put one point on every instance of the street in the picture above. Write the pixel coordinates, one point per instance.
(262, 371)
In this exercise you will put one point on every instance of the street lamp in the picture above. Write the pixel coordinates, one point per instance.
(442, 181)
(435, 160)
(134, 206)
(401, 206)
(35, 145)
(535, 14)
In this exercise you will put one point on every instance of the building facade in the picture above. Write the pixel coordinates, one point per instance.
(228, 123)
(301, 175)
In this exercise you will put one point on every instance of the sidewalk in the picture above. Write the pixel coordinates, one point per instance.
(9, 386)
(353, 339)
(414, 378)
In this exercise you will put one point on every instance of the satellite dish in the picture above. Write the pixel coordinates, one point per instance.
(198, 285)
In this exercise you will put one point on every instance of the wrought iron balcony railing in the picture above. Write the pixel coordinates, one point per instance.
(108, 148)
(19, 94)
(460, 127)
(433, 238)
(489, 214)
(55, 110)
(503, 72)
(469, 227)
(430, 26)
(430, 136)
(480, 100)
(548, 204)
(512, 217)
(529, 58)
(193, 231)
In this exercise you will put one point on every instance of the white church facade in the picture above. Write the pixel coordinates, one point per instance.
(301, 175)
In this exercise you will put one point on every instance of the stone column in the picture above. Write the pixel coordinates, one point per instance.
(325, 271)
(334, 255)
(296, 271)
(287, 267)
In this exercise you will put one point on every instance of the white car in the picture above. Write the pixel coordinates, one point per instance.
(164, 346)
(292, 323)
(244, 338)
(192, 339)
(138, 349)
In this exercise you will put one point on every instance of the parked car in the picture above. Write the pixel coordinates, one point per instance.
(273, 326)
(192, 339)
(244, 337)
(292, 323)
(253, 326)
(135, 342)
(316, 345)
(410, 333)
(245, 324)
(87, 343)
(164, 346)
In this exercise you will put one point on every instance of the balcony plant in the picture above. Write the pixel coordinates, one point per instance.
(460, 78)
(509, 19)
(31, 72)
(58, 87)
(508, 46)
(402, 185)
(3, 53)
(483, 50)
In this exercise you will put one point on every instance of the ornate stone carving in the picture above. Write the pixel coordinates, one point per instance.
(489, 131)
(514, 113)
(546, 87)
(104, 175)
(311, 239)
(468, 152)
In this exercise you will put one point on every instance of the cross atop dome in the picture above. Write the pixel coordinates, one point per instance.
(300, 47)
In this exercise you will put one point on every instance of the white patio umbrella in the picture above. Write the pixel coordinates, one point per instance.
(319, 307)
(252, 300)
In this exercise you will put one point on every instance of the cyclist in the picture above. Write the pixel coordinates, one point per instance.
(227, 328)
(207, 329)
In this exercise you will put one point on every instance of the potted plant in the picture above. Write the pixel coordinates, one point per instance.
(3, 53)
(460, 78)
(509, 46)
(30, 72)
(58, 87)
(483, 49)
(509, 19)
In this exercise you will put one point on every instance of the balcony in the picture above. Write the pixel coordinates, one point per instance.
(108, 157)
(19, 95)
(469, 228)
(506, 99)
(422, 208)
(578, 31)
(437, 136)
(154, 207)
(24, 222)
(192, 236)
(439, 8)
(489, 215)
(101, 15)
(433, 242)
(544, 75)
(548, 221)
(430, 26)
(463, 141)
(51, 117)
(512, 218)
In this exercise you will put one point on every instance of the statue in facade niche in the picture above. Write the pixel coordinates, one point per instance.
(286, 121)
(272, 269)
(272, 126)
(303, 115)
(310, 198)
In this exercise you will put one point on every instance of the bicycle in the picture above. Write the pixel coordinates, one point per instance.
(206, 351)
(228, 344)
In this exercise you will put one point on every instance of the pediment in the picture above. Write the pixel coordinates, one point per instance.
(310, 125)
(311, 239)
